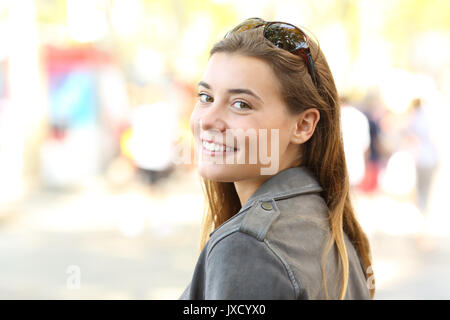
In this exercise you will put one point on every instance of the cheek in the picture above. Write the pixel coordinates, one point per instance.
(194, 121)
(283, 138)
(277, 128)
(272, 142)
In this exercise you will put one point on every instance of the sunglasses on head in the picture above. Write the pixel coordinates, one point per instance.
(284, 36)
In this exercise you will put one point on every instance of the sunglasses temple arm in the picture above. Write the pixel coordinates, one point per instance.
(312, 69)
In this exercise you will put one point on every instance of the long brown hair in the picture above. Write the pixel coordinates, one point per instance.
(323, 153)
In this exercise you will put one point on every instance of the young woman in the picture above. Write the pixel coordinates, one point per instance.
(279, 222)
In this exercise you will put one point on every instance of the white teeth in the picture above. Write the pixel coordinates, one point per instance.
(216, 147)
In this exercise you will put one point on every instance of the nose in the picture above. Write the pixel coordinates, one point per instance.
(213, 118)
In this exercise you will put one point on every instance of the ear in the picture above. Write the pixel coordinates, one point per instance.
(305, 125)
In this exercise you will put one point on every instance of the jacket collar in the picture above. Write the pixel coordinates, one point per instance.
(288, 183)
(285, 184)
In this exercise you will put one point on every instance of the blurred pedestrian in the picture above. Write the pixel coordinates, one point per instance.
(374, 159)
(419, 143)
(152, 140)
(356, 136)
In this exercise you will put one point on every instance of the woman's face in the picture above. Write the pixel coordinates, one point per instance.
(240, 108)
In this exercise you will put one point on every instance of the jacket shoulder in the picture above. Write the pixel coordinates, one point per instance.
(239, 266)
(287, 211)
(258, 219)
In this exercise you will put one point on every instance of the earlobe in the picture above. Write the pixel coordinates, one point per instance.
(305, 125)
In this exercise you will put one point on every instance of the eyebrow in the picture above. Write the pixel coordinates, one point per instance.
(234, 91)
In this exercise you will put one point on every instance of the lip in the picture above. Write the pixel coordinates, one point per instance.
(212, 141)
(209, 152)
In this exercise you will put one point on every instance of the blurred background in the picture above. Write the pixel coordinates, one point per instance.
(96, 95)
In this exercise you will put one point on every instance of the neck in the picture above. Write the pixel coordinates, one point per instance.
(245, 188)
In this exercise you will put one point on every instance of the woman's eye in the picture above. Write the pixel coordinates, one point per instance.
(205, 98)
(241, 105)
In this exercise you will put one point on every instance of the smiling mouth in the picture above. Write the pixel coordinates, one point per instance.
(213, 148)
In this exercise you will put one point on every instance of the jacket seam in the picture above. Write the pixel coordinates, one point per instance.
(226, 222)
(222, 236)
(288, 269)
(289, 272)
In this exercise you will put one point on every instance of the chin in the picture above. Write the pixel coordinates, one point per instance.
(226, 173)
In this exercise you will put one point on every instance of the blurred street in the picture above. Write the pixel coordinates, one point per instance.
(138, 244)
(99, 195)
(142, 243)
(410, 268)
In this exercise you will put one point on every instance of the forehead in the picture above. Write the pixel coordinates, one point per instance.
(225, 71)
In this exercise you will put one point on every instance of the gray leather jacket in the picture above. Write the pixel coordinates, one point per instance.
(272, 248)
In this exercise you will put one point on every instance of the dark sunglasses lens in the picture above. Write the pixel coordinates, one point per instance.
(285, 36)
